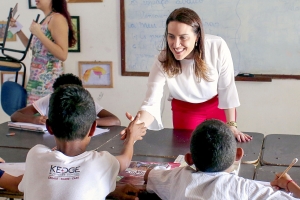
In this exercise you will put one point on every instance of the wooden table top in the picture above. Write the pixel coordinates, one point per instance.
(280, 150)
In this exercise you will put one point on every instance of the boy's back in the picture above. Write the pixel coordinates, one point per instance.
(186, 183)
(53, 175)
(213, 152)
(70, 172)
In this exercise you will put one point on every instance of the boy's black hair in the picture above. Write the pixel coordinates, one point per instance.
(213, 146)
(71, 112)
(66, 79)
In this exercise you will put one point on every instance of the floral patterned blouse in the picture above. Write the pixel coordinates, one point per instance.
(44, 68)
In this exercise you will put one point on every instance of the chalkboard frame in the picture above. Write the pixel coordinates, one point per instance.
(123, 51)
(124, 72)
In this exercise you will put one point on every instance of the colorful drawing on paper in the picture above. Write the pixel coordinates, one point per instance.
(96, 74)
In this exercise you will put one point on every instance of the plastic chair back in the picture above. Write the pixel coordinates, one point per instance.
(13, 97)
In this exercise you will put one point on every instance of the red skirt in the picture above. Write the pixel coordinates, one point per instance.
(190, 115)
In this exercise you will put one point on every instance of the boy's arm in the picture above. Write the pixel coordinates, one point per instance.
(146, 175)
(126, 191)
(287, 183)
(27, 114)
(134, 133)
(10, 182)
(107, 119)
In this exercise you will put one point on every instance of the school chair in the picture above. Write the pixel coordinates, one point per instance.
(7, 61)
(13, 97)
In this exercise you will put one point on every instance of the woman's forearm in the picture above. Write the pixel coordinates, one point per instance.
(230, 114)
(146, 117)
(23, 38)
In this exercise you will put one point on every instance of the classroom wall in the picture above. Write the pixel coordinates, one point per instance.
(269, 108)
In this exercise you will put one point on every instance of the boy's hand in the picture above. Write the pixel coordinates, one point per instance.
(135, 130)
(40, 120)
(131, 118)
(282, 182)
(125, 192)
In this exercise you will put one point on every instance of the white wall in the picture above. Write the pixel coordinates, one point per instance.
(268, 108)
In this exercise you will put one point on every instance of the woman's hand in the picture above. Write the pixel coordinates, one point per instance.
(123, 132)
(35, 29)
(12, 22)
(241, 137)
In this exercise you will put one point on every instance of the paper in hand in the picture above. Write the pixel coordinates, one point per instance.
(15, 29)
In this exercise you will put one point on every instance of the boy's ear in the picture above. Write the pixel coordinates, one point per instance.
(188, 159)
(49, 127)
(239, 154)
(93, 128)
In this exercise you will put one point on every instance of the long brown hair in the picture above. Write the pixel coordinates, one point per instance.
(172, 66)
(61, 7)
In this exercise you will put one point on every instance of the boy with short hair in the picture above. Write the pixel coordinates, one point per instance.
(71, 172)
(41, 106)
(213, 151)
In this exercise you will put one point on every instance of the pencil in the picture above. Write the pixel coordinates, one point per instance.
(289, 167)
(17, 17)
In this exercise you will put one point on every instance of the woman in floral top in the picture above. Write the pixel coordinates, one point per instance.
(51, 39)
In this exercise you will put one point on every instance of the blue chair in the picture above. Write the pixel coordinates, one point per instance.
(13, 97)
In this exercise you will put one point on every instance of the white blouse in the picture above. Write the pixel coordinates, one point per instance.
(185, 86)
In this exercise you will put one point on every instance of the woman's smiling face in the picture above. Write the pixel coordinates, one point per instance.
(181, 40)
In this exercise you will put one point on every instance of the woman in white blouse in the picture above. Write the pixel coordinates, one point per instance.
(199, 72)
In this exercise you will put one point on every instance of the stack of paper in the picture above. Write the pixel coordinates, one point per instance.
(27, 126)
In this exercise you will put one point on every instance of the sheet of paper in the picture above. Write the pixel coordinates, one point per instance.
(14, 169)
(99, 131)
(180, 159)
(18, 27)
(263, 183)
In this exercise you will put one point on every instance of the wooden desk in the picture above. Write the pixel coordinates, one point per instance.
(247, 171)
(166, 143)
(267, 173)
(252, 149)
(28, 139)
(280, 150)
(170, 143)
(13, 154)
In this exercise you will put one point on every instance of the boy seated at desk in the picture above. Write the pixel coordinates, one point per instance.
(71, 172)
(8, 181)
(213, 152)
(37, 113)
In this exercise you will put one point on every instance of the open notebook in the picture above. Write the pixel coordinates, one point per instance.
(42, 128)
(27, 126)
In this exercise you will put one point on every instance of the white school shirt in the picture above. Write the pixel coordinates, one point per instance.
(53, 175)
(184, 183)
(185, 86)
(42, 105)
